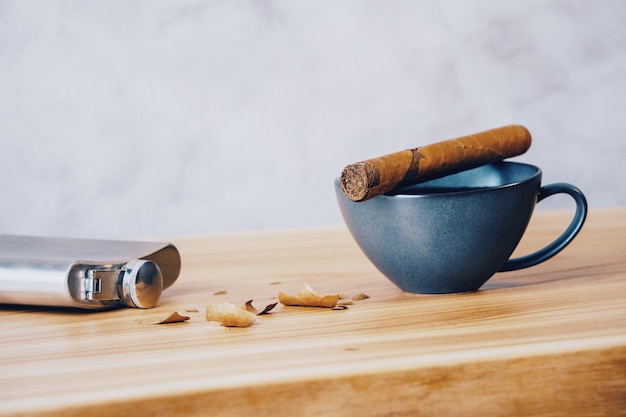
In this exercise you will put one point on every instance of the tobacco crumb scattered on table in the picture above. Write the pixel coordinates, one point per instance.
(174, 317)
(360, 296)
(254, 310)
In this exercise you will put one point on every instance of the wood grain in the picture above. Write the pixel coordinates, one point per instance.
(549, 340)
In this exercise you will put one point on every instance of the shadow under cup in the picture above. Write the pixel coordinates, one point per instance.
(452, 234)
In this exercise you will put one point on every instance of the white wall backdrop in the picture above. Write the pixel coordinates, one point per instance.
(127, 119)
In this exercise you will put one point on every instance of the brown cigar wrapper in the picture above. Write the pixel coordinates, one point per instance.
(366, 179)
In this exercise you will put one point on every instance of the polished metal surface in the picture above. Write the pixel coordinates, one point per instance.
(142, 284)
(85, 273)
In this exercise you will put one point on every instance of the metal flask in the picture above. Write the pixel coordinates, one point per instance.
(85, 273)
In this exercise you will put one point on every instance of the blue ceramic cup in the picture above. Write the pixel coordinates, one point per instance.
(452, 234)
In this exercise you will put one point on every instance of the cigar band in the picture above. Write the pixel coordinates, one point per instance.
(413, 171)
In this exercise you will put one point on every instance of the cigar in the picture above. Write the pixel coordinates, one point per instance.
(363, 180)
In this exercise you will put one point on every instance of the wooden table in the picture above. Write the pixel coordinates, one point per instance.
(549, 340)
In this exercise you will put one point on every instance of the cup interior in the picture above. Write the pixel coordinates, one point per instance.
(490, 176)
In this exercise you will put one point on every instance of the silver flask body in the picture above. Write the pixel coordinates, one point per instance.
(85, 273)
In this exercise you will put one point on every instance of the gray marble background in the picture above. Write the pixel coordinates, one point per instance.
(131, 119)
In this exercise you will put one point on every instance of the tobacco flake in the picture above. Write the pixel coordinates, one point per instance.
(360, 296)
(254, 310)
(174, 318)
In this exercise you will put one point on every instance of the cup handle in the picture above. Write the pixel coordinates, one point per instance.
(566, 237)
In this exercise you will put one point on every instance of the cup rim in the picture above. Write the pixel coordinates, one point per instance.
(476, 190)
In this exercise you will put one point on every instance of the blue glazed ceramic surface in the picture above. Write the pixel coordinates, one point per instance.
(452, 234)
